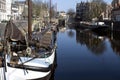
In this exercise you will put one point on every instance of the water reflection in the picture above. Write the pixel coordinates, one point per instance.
(115, 42)
(87, 56)
(93, 42)
(71, 33)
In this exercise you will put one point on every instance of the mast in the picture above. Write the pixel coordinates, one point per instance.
(29, 19)
(50, 11)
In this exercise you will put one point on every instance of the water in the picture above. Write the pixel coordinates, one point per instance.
(84, 55)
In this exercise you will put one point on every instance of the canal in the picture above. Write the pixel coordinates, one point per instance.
(86, 55)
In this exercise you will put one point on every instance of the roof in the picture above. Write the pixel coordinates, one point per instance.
(2, 29)
(15, 31)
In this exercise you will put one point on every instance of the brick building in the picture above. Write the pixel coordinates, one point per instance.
(82, 9)
(116, 10)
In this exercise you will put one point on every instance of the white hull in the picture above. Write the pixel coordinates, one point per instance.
(23, 74)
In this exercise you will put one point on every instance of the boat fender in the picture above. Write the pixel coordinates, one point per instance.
(14, 54)
(28, 50)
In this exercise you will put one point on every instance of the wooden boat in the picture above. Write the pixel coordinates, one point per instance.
(27, 58)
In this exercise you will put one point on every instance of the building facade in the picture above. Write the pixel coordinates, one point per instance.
(5, 10)
(116, 15)
(14, 10)
(2, 10)
(11, 9)
(82, 10)
(18, 9)
(107, 13)
(8, 9)
(116, 10)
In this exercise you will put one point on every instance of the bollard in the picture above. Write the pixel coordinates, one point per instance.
(112, 26)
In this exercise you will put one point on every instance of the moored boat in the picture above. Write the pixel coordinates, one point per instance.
(99, 26)
(27, 62)
(27, 57)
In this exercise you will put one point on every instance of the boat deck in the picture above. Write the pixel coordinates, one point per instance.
(46, 39)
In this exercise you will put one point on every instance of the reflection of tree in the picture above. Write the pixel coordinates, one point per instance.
(93, 43)
(70, 33)
(98, 48)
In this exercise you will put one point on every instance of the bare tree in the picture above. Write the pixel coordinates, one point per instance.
(97, 7)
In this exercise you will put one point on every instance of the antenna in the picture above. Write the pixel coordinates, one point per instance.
(50, 11)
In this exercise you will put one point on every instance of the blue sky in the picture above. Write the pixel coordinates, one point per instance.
(64, 5)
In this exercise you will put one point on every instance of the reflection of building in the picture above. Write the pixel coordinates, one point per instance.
(92, 42)
(115, 42)
(115, 46)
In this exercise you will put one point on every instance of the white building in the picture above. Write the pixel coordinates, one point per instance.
(2, 10)
(14, 10)
(5, 10)
(63, 14)
(8, 9)
(20, 9)
(17, 8)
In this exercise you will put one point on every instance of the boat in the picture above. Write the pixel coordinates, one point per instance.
(27, 57)
(99, 26)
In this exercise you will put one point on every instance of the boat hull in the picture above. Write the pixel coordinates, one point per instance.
(44, 66)
(21, 74)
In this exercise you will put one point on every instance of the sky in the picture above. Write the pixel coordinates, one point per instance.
(64, 5)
